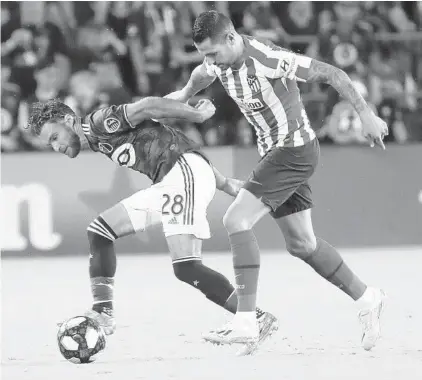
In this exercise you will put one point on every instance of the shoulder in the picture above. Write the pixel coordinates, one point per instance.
(265, 52)
(263, 45)
(102, 121)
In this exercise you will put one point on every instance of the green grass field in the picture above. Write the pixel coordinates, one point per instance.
(160, 321)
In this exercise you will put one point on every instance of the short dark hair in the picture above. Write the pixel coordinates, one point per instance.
(210, 24)
(51, 111)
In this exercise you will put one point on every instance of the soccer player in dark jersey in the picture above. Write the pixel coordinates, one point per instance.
(184, 183)
(262, 79)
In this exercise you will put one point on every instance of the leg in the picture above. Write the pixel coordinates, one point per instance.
(274, 180)
(321, 256)
(118, 221)
(327, 262)
(239, 220)
(189, 188)
(187, 191)
(185, 252)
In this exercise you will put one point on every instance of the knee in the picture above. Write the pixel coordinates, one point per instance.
(99, 233)
(234, 222)
(186, 271)
(301, 246)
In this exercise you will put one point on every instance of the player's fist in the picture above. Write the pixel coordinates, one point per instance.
(373, 128)
(233, 186)
(206, 108)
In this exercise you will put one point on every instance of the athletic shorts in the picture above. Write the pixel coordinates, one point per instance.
(281, 177)
(182, 199)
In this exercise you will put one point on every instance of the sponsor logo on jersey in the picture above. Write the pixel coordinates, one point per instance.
(284, 65)
(251, 105)
(105, 148)
(111, 124)
(124, 155)
(253, 83)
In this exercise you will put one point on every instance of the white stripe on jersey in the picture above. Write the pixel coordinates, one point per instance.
(274, 103)
(266, 136)
(297, 138)
(307, 124)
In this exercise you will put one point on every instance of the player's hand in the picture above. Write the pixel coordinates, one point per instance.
(206, 107)
(374, 128)
(233, 186)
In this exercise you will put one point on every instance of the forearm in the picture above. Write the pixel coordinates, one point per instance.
(160, 108)
(198, 81)
(340, 81)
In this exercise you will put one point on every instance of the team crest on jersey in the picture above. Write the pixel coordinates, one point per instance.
(105, 148)
(111, 124)
(253, 83)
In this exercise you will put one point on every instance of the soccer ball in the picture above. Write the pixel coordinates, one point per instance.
(80, 339)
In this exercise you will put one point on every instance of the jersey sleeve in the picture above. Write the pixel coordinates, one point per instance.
(210, 69)
(110, 120)
(280, 63)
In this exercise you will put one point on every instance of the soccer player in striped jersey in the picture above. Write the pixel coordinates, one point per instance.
(262, 79)
(184, 183)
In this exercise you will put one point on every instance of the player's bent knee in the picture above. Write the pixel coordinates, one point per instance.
(233, 222)
(301, 247)
(99, 231)
(186, 270)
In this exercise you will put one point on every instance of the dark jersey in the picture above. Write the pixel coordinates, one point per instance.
(151, 149)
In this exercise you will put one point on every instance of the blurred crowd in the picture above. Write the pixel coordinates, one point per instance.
(92, 54)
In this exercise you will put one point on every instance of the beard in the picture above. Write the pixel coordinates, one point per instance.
(74, 146)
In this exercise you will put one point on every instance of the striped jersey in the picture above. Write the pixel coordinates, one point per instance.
(265, 89)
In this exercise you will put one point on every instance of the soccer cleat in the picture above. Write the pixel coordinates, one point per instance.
(370, 320)
(105, 319)
(236, 331)
(268, 325)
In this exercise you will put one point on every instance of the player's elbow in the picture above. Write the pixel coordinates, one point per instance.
(337, 77)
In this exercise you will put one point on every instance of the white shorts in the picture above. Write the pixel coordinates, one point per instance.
(182, 199)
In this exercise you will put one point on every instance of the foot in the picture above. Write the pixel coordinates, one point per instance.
(240, 330)
(268, 325)
(105, 318)
(369, 317)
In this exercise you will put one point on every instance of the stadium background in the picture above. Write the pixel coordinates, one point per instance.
(368, 202)
(91, 54)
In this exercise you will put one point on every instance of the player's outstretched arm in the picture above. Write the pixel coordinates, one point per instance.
(230, 186)
(199, 80)
(337, 78)
(160, 108)
(374, 128)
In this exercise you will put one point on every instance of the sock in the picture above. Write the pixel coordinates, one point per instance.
(216, 287)
(102, 289)
(246, 264)
(231, 305)
(102, 267)
(327, 262)
(212, 284)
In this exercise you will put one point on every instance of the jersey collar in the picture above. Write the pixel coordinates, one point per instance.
(77, 128)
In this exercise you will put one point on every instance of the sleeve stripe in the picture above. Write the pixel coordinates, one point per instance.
(126, 118)
(262, 53)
